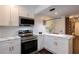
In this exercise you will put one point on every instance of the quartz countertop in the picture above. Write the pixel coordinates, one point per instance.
(59, 35)
(9, 38)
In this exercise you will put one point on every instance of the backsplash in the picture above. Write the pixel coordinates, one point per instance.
(11, 31)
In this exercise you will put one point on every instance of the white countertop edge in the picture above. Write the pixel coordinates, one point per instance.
(9, 38)
(59, 35)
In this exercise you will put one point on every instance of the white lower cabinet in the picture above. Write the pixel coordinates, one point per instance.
(4, 48)
(10, 47)
(40, 42)
(64, 46)
(50, 43)
(58, 45)
(16, 46)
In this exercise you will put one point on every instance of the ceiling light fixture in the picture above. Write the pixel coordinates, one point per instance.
(56, 13)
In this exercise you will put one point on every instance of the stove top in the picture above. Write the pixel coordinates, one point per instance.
(26, 35)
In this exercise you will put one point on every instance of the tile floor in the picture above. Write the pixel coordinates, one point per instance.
(43, 51)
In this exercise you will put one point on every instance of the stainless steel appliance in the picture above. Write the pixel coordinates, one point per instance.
(24, 21)
(28, 41)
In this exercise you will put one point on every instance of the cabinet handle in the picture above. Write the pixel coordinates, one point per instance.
(9, 48)
(12, 48)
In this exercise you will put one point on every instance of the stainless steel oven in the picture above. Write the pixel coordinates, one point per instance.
(28, 46)
(28, 41)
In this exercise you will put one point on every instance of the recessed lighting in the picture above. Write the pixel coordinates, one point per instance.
(56, 13)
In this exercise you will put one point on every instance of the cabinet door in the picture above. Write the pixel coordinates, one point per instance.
(30, 14)
(4, 15)
(40, 42)
(14, 16)
(16, 46)
(46, 44)
(53, 44)
(23, 11)
(5, 48)
(50, 44)
(62, 46)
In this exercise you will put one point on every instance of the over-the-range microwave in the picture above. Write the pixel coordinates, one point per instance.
(25, 21)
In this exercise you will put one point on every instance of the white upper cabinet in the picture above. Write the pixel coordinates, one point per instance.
(9, 15)
(23, 11)
(4, 15)
(31, 15)
(14, 16)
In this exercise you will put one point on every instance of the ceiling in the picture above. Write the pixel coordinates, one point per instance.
(32, 8)
(60, 10)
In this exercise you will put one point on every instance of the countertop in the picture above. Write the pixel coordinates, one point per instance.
(9, 38)
(59, 35)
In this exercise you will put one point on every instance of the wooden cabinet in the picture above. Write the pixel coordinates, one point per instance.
(69, 26)
(10, 47)
(72, 29)
(76, 45)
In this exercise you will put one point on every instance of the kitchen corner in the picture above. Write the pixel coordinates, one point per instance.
(26, 29)
(56, 43)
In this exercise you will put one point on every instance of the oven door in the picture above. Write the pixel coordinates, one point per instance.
(28, 47)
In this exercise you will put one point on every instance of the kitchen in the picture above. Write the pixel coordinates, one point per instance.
(45, 26)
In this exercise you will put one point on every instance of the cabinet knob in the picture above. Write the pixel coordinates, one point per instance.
(12, 47)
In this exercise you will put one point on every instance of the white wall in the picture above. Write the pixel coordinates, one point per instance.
(39, 27)
(59, 26)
